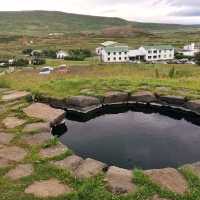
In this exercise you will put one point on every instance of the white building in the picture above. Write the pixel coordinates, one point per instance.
(191, 49)
(61, 54)
(158, 52)
(113, 52)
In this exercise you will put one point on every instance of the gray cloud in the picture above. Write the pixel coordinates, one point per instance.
(187, 12)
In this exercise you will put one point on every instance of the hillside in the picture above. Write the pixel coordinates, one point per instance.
(46, 22)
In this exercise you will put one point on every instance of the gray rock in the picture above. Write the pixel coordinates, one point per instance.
(48, 188)
(53, 151)
(194, 105)
(70, 163)
(45, 112)
(82, 101)
(13, 122)
(5, 138)
(115, 97)
(174, 100)
(20, 171)
(119, 181)
(143, 96)
(13, 153)
(15, 95)
(37, 127)
(168, 178)
(89, 168)
(37, 139)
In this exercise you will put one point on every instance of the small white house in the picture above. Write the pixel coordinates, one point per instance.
(158, 52)
(191, 49)
(113, 52)
(61, 54)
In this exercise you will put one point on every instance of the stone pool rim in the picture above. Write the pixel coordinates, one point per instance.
(119, 98)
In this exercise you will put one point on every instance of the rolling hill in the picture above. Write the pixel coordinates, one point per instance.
(46, 22)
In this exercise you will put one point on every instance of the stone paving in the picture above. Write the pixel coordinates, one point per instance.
(48, 188)
(117, 180)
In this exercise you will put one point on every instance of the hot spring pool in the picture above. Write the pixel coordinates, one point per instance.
(142, 137)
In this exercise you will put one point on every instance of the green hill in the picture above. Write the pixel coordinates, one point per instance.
(46, 22)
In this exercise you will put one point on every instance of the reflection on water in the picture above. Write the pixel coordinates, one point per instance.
(137, 136)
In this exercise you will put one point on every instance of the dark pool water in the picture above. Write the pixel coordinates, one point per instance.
(136, 137)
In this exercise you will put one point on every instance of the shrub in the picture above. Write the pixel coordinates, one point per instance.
(49, 53)
(20, 62)
(27, 51)
(78, 54)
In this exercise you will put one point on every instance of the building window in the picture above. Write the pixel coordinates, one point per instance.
(155, 51)
(125, 58)
(159, 56)
(109, 53)
(154, 57)
(149, 51)
(120, 53)
(149, 57)
(125, 52)
(114, 53)
(160, 51)
(120, 58)
(108, 59)
(165, 56)
(114, 58)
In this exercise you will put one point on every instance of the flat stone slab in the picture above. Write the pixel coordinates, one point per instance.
(120, 181)
(53, 151)
(89, 168)
(70, 163)
(114, 97)
(143, 96)
(13, 122)
(48, 188)
(156, 197)
(174, 100)
(195, 168)
(20, 171)
(15, 95)
(5, 138)
(45, 112)
(13, 153)
(82, 101)
(37, 127)
(37, 139)
(194, 105)
(168, 178)
(4, 163)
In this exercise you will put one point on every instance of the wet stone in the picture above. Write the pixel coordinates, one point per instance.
(53, 151)
(45, 112)
(70, 163)
(168, 178)
(89, 168)
(119, 181)
(48, 188)
(174, 100)
(15, 95)
(5, 138)
(37, 139)
(13, 153)
(20, 171)
(12, 122)
(37, 127)
(143, 96)
(115, 97)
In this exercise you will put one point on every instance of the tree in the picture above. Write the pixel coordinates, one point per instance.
(78, 54)
(20, 62)
(48, 53)
(197, 58)
(27, 51)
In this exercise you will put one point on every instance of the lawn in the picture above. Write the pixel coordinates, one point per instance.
(97, 79)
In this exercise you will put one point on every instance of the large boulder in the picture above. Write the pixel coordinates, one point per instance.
(45, 112)
(119, 181)
(174, 100)
(143, 96)
(89, 168)
(82, 101)
(194, 105)
(168, 178)
(115, 97)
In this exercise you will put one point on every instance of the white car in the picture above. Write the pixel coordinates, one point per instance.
(46, 70)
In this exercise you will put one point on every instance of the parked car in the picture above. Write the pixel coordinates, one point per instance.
(46, 70)
(62, 69)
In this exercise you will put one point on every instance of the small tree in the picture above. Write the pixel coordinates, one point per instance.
(197, 58)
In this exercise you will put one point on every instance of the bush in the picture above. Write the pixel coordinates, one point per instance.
(78, 54)
(20, 62)
(38, 61)
(181, 56)
(49, 53)
(27, 51)
(197, 58)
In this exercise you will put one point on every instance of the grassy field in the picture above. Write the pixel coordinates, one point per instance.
(98, 79)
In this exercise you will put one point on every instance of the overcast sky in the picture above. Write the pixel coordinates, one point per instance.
(166, 11)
